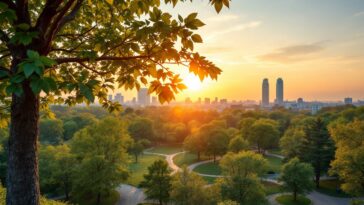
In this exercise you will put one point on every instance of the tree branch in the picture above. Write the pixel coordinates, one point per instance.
(3, 36)
(10, 4)
(93, 70)
(22, 11)
(104, 58)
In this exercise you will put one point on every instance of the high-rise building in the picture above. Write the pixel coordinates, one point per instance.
(207, 101)
(348, 101)
(119, 98)
(143, 97)
(265, 93)
(279, 91)
(110, 97)
(188, 100)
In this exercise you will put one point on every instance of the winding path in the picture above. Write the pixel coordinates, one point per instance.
(130, 195)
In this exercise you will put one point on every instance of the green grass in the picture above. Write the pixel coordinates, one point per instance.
(272, 188)
(111, 199)
(210, 180)
(209, 168)
(288, 200)
(330, 187)
(166, 149)
(274, 164)
(187, 159)
(137, 170)
(275, 151)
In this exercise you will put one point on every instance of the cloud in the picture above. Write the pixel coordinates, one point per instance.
(238, 27)
(223, 18)
(292, 54)
(359, 14)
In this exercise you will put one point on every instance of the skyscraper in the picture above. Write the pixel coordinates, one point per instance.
(143, 97)
(279, 91)
(265, 93)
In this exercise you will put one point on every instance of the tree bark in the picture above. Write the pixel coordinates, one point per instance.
(22, 175)
(317, 180)
(98, 198)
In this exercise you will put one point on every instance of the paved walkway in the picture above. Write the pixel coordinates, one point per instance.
(130, 195)
(317, 199)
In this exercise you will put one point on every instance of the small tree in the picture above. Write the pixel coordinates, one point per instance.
(137, 147)
(189, 188)
(51, 131)
(297, 177)
(157, 182)
(264, 133)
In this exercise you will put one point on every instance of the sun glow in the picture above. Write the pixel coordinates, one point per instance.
(192, 82)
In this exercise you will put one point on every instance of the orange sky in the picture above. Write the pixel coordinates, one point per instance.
(317, 47)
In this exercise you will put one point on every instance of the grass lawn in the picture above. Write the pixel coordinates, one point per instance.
(210, 180)
(288, 200)
(274, 164)
(137, 170)
(275, 151)
(166, 149)
(187, 159)
(330, 187)
(111, 199)
(272, 188)
(209, 168)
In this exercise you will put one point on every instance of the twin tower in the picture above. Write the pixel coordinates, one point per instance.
(279, 92)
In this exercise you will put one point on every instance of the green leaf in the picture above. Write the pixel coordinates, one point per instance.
(32, 54)
(28, 69)
(23, 26)
(87, 92)
(17, 79)
(47, 61)
(51, 83)
(196, 38)
(36, 85)
(3, 74)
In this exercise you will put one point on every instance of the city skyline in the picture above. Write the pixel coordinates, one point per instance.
(318, 59)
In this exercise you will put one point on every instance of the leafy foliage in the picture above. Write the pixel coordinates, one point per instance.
(157, 182)
(297, 177)
(349, 156)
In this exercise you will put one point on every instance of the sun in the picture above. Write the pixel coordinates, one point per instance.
(192, 82)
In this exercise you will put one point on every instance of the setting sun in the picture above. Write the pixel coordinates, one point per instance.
(192, 82)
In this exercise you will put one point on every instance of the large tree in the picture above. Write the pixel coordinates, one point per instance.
(101, 151)
(349, 156)
(297, 177)
(51, 131)
(157, 182)
(71, 51)
(317, 148)
(242, 184)
(264, 134)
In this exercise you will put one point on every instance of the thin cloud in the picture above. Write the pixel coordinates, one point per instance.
(223, 18)
(292, 54)
(359, 14)
(239, 27)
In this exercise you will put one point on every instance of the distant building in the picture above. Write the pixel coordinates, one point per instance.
(265, 93)
(134, 100)
(188, 100)
(207, 101)
(348, 101)
(110, 97)
(143, 97)
(223, 101)
(279, 92)
(154, 100)
(119, 98)
(216, 100)
(199, 101)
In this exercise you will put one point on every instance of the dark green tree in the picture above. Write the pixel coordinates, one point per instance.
(317, 148)
(141, 128)
(51, 131)
(157, 182)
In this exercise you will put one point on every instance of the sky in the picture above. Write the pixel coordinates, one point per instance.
(316, 46)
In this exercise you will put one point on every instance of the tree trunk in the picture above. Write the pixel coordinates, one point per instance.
(22, 176)
(317, 180)
(214, 158)
(198, 156)
(295, 196)
(136, 158)
(98, 198)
